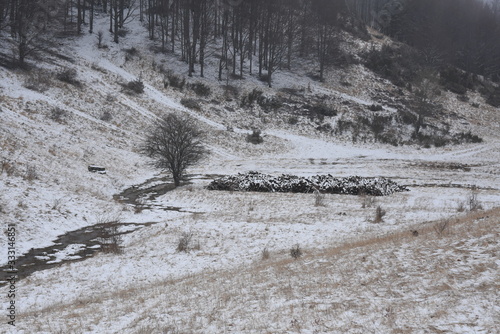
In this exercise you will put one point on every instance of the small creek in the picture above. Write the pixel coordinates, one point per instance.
(83, 243)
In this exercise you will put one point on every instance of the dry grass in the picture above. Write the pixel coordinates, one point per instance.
(396, 283)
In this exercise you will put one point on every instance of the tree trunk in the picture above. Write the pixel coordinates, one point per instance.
(91, 17)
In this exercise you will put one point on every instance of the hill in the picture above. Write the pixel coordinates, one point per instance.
(360, 270)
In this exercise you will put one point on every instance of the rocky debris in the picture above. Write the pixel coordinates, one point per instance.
(353, 185)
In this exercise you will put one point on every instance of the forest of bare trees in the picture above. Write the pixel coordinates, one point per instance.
(262, 36)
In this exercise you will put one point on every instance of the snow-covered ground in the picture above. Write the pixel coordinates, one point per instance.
(355, 276)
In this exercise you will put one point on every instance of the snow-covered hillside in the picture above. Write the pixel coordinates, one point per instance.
(356, 276)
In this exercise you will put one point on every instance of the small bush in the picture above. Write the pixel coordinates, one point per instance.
(110, 97)
(296, 252)
(136, 86)
(265, 254)
(200, 89)
(469, 138)
(174, 80)
(319, 198)
(191, 103)
(183, 245)
(110, 238)
(30, 173)
(270, 103)
(100, 38)
(57, 114)
(122, 33)
(321, 109)
(39, 81)
(293, 120)
(254, 96)
(231, 91)
(69, 75)
(379, 215)
(367, 201)
(442, 227)
(132, 52)
(264, 77)
(106, 116)
(376, 107)
(493, 99)
(293, 91)
(397, 64)
(455, 80)
(473, 202)
(7, 167)
(255, 137)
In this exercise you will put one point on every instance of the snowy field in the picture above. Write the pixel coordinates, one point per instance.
(430, 265)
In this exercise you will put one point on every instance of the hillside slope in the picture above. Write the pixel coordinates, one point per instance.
(49, 134)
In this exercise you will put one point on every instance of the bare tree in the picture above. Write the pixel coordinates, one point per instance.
(29, 27)
(175, 143)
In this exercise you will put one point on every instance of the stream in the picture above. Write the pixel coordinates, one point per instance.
(85, 242)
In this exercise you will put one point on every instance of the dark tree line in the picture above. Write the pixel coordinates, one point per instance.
(258, 36)
(262, 36)
(464, 33)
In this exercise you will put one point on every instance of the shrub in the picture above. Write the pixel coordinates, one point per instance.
(473, 201)
(376, 107)
(230, 91)
(407, 117)
(319, 198)
(110, 238)
(106, 116)
(270, 103)
(493, 99)
(397, 64)
(366, 201)
(296, 252)
(69, 75)
(379, 215)
(255, 137)
(322, 109)
(293, 91)
(292, 120)
(100, 38)
(191, 103)
(200, 89)
(136, 86)
(442, 227)
(7, 167)
(30, 173)
(455, 80)
(254, 96)
(38, 80)
(469, 138)
(132, 52)
(265, 254)
(174, 80)
(183, 245)
(57, 114)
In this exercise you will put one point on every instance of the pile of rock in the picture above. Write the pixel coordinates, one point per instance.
(353, 185)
